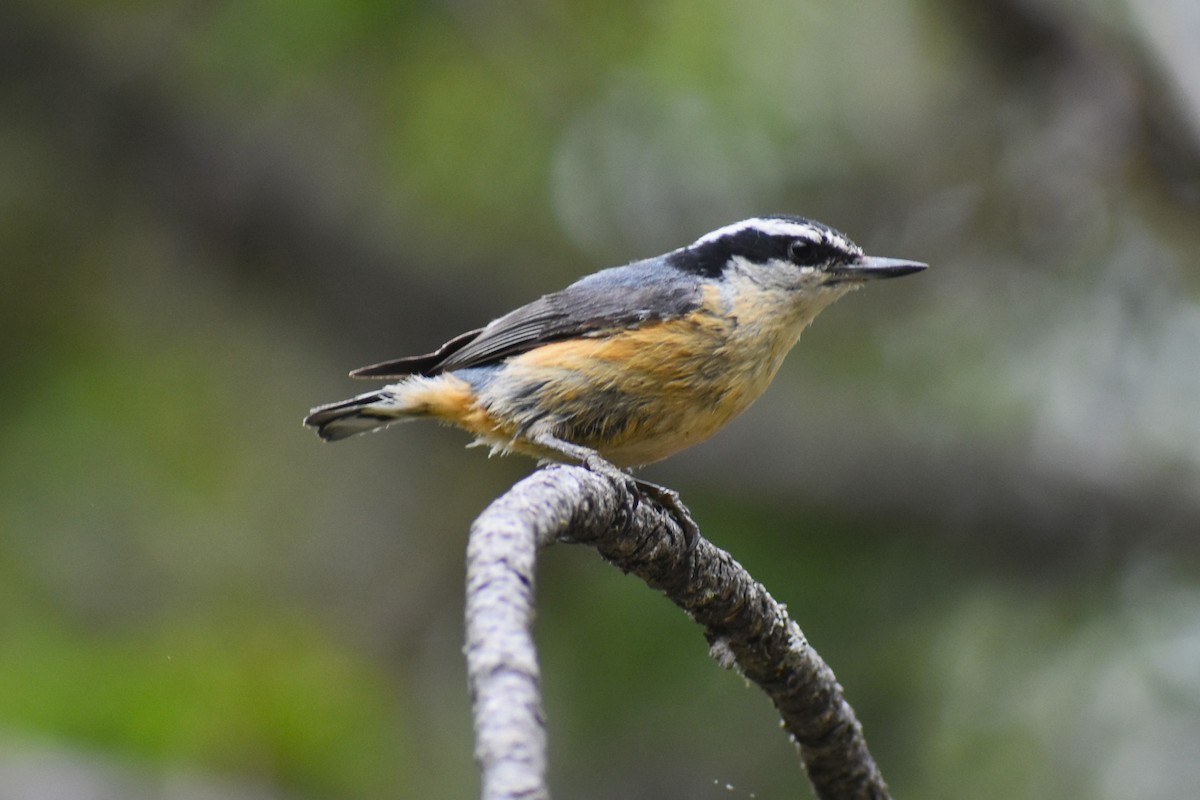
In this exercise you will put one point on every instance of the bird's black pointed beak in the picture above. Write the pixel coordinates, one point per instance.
(871, 267)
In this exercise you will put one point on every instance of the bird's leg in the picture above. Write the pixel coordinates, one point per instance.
(636, 489)
(593, 461)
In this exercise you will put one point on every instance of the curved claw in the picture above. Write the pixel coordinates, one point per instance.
(670, 501)
(632, 495)
(635, 489)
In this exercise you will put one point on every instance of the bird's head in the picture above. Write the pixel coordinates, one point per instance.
(788, 252)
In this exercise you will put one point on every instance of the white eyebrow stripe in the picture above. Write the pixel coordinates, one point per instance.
(768, 227)
(789, 228)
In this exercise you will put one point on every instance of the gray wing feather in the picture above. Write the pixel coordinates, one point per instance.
(611, 299)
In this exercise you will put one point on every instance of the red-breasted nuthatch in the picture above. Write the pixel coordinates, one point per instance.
(631, 364)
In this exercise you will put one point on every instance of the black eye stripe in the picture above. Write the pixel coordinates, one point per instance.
(811, 245)
(709, 258)
(807, 253)
(804, 252)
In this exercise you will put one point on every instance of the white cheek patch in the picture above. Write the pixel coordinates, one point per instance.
(775, 272)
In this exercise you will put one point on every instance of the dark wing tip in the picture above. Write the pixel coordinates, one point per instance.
(428, 364)
(397, 368)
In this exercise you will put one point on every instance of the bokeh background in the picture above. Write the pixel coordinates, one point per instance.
(978, 489)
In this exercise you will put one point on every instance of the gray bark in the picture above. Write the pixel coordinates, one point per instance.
(745, 627)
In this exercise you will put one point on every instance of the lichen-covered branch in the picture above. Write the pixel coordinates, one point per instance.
(745, 627)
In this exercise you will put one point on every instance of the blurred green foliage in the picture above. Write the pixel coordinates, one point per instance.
(278, 700)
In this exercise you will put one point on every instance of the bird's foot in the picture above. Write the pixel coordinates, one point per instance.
(670, 501)
(637, 490)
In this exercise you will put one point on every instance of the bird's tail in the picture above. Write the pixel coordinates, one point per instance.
(443, 397)
(366, 412)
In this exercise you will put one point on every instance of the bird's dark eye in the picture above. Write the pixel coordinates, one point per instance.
(804, 253)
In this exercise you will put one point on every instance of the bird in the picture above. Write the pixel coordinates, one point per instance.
(631, 364)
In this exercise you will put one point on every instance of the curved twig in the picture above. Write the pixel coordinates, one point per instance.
(744, 625)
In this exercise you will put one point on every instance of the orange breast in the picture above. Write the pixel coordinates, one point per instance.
(637, 396)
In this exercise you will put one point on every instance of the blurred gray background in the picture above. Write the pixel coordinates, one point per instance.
(977, 489)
